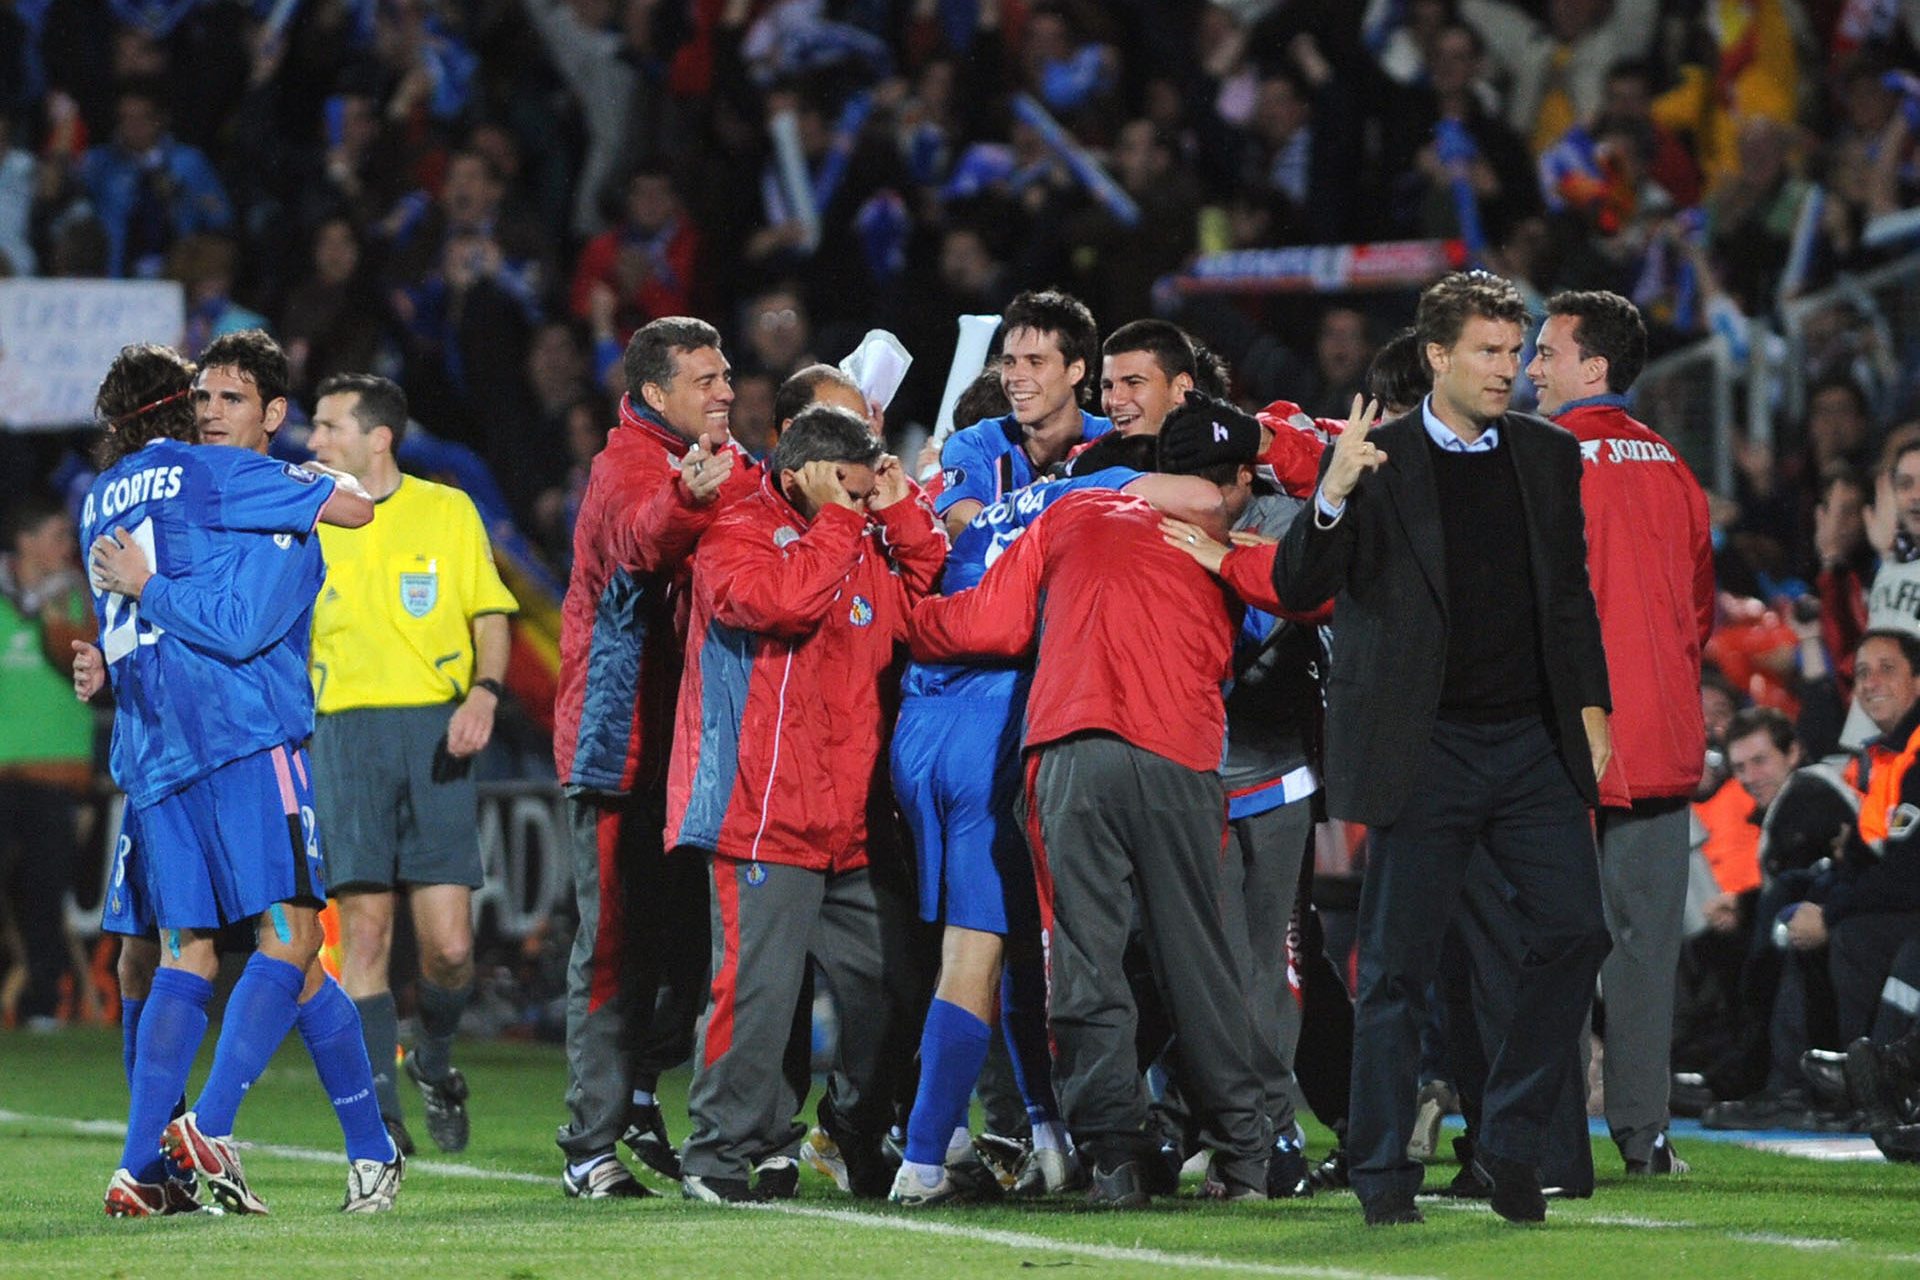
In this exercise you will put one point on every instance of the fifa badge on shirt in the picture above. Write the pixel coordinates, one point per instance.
(861, 613)
(419, 592)
(756, 874)
(785, 536)
(953, 477)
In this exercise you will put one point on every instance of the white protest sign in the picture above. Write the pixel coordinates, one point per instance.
(57, 338)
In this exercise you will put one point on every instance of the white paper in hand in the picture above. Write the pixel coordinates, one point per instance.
(878, 366)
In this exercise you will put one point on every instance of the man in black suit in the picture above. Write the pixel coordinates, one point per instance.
(1468, 701)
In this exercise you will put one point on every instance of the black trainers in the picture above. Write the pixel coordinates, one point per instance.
(1397, 1210)
(1331, 1173)
(1879, 1085)
(446, 1100)
(720, 1190)
(1789, 1110)
(1287, 1174)
(775, 1178)
(605, 1178)
(1514, 1188)
(975, 1180)
(1826, 1075)
(1003, 1155)
(1467, 1184)
(646, 1137)
(1900, 1144)
(1118, 1188)
(1162, 1170)
(1661, 1160)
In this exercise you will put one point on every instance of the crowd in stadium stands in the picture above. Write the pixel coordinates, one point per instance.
(484, 202)
(496, 207)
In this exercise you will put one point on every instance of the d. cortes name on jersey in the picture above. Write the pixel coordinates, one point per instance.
(142, 486)
(1617, 449)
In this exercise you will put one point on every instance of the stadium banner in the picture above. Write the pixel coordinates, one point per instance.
(57, 338)
(523, 855)
(1324, 268)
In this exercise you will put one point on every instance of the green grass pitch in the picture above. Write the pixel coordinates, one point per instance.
(497, 1210)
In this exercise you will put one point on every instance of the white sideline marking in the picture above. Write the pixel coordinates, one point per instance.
(1785, 1242)
(1101, 1252)
(114, 1129)
(982, 1235)
(1018, 1239)
(1808, 1244)
(447, 1167)
(1851, 1147)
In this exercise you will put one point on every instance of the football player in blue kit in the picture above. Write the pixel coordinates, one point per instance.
(955, 763)
(956, 771)
(203, 633)
(1048, 346)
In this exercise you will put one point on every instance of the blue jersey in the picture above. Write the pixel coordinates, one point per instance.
(985, 462)
(209, 665)
(975, 549)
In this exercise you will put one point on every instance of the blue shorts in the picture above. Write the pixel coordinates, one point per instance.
(221, 850)
(956, 774)
(123, 908)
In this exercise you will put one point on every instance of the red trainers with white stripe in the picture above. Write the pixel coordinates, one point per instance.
(215, 1160)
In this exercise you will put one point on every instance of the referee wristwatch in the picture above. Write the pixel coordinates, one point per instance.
(492, 686)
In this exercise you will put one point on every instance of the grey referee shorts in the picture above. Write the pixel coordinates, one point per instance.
(387, 821)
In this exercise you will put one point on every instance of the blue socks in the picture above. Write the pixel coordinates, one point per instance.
(331, 1029)
(171, 1023)
(953, 1048)
(259, 1014)
(129, 1029)
(130, 1007)
(1023, 1020)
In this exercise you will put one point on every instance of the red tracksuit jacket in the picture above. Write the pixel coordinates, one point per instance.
(1291, 461)
(1650, 557)
(625, 611)
(1134, 638)
(783, 709)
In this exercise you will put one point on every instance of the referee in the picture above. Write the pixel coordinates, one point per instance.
(410, 641)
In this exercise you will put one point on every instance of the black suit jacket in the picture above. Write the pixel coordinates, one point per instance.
(1383, 563)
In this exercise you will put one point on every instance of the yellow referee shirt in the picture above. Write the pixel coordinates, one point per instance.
(393, 624)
